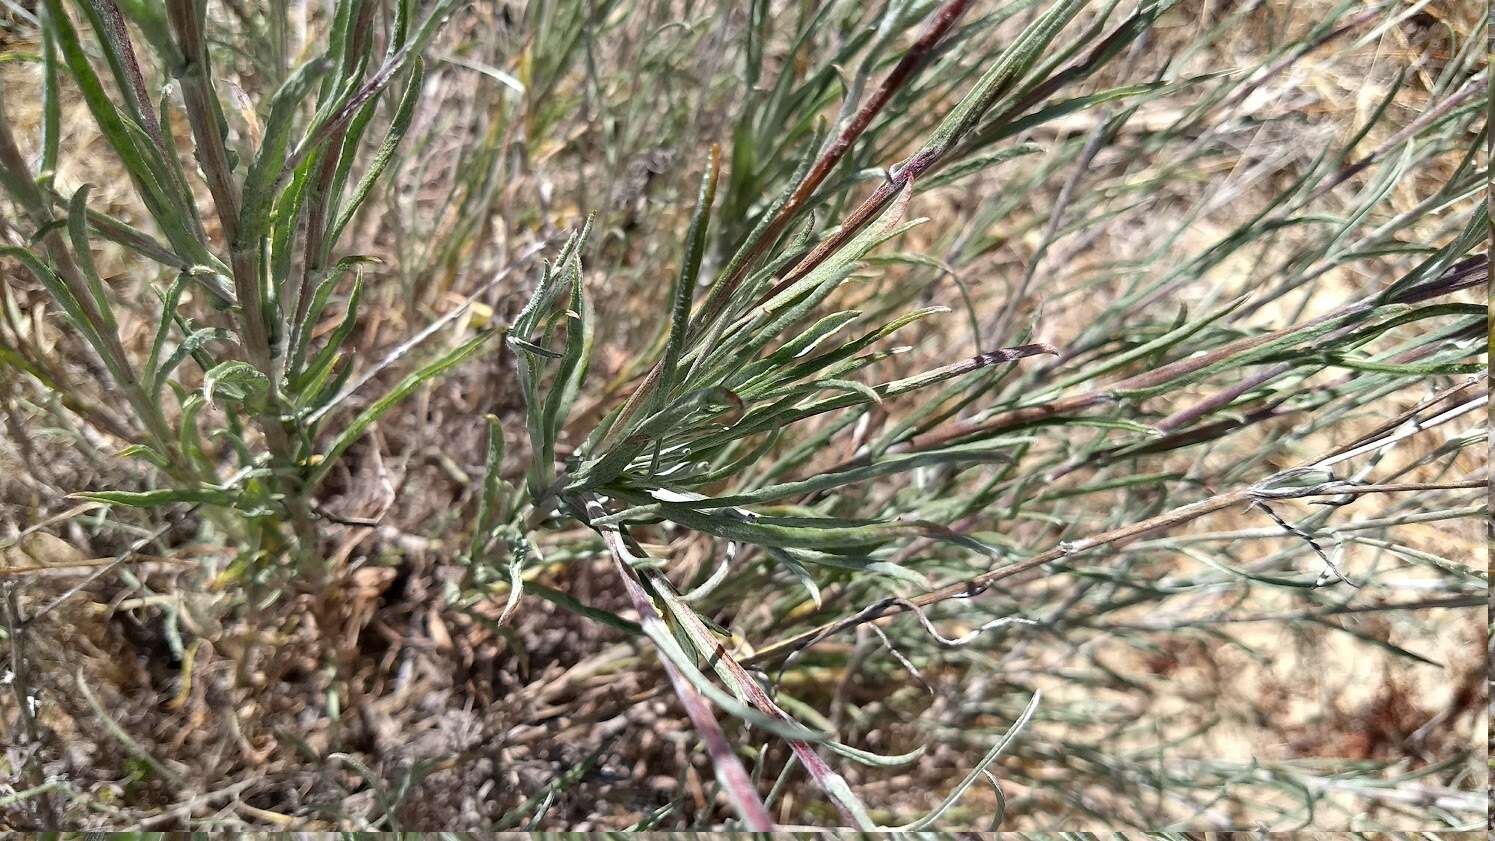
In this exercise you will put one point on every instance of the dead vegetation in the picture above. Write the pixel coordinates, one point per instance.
(353, 660)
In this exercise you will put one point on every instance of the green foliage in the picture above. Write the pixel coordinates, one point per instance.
(994, 481)
(254, 364)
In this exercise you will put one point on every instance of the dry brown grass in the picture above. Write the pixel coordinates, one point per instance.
(490, 716)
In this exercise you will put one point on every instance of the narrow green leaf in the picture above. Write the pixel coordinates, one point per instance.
(83, 255)
(376, 166)
(190, 345)
(154, 499)
(490, 500)
(405, 388)
(269, 161)
(685, 283)
(234, 380)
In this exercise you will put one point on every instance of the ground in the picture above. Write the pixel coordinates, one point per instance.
(170, 695)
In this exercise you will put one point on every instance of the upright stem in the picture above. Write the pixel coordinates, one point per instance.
(205, 117)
